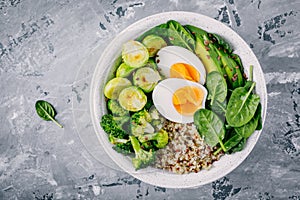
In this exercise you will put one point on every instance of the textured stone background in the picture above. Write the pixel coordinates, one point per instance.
(48, 50)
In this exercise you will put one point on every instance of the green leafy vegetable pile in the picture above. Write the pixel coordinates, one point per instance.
(133, 125)
(233, 109)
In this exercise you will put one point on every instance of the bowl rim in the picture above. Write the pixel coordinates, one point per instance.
(155, 176)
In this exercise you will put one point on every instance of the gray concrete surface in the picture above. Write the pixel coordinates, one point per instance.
(48, 50)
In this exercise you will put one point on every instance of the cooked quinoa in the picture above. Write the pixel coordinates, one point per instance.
(186, 151)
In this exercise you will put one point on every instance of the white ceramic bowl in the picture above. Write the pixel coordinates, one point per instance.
(157, 177)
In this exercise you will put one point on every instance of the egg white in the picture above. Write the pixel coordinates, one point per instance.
(162, 98)
(170, 55)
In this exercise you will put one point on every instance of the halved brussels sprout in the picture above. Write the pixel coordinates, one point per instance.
(146, 78)
(113, 87)
(153, 44)
(132, 98)
(135, 54)
(124, 70)
(151, 63)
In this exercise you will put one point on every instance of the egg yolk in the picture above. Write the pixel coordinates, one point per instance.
(187, 100)
(184, 71)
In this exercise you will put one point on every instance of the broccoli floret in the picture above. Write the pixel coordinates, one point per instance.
(121, 145)
(111, 126)
(116, 109)
(140, 123)
(157, 119)
(115, 140)
(154, 114)
(149, 103)
(161, 138)
(116, 135)
(122, 121)
(142, 157)
(149, 145)
(141, 117)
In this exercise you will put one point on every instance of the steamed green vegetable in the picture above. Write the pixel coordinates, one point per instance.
(115, 108)
(113, 87)
(157, 120)
(124, 70)
(111, 126)
(151, 63)
(132, 98)
(154, 43)
(140, 123)
(142, 157)
(160, 138)
(146, 78)
(116, 134)
(46, 111)
(134, 54)
(121, 145)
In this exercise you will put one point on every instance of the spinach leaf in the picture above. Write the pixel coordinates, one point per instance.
(217, 87)
(210, 127)
(219, 108)
(259, 122)
(46, 111)
(249, 128)
(241, 106)
(160, 30)
(178, 36)
(239, 147)
(230, 143)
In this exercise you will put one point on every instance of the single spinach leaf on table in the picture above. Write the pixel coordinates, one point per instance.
(217, 87)
(210, 127)
(179, 36)
(46, 111)
(241, 106)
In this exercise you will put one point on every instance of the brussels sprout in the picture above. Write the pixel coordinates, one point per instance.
(113, 87)
(153, 44)
(135, 54)
(151, 63)
(146, 78)
(124, 70)
(132, 98)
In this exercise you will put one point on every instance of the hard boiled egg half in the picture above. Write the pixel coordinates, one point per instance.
(178, 62)
(178, 99)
